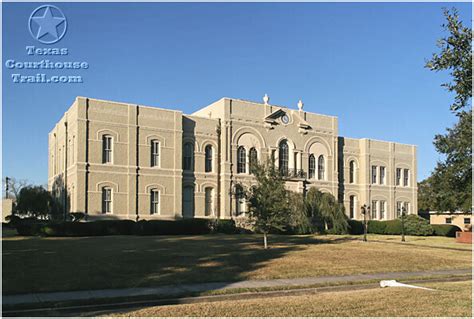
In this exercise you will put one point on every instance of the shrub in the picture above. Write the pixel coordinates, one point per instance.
(113, 227)
(445, 230)
(417, 226)
(393, 227)
(193, 226)
(224, 226)
(356, 227)
(29, 226)
(376, 227)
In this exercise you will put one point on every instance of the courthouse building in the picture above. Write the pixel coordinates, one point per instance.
(121, 160)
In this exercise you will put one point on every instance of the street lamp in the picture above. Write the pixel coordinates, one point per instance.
(404, 212)
(365, 210)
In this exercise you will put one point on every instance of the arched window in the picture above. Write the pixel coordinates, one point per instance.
(352, 172)
(283, 158)
(312, 166)
(208, 158)
(155, 153)
(106, 200)
(208, 201)
(352, 206)
(241, 160)
(107, 149)
(253, 159)
(239, 200)
(321, 167)
(154, 202)
(188, 156)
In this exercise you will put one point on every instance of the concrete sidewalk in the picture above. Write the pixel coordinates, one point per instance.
(174, 290)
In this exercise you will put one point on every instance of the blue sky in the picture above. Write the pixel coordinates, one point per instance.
(362, 62)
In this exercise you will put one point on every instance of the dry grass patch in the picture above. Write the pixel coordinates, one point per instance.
(450, 300)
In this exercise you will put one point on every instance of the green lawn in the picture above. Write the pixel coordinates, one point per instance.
(449, 300)
(32, 264)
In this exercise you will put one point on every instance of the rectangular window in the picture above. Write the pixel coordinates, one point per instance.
(406, 205)
(154, 202)
(374, 174)
(106, 149)
(382, 175)
(399, 209)
(448, 220)
(406, 177)
(155, 153)
(106, 200)
(382, 209)
(467, 220)
(399, 177)
(373, 210)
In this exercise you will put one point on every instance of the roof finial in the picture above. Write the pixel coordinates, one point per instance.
(300, 105)
(266, 99)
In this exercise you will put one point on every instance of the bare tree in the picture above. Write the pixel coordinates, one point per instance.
(14, 187)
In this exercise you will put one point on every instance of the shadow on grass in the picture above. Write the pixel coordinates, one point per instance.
(88, 263)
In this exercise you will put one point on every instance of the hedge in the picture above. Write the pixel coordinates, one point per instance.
(193, 226)
(445, 230)
(355, 227)
(376, 227)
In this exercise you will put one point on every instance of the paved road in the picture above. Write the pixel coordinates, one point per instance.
(173, 290)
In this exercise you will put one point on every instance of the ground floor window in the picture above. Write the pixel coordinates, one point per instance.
(352, 206)
(208, 201)
(448, 220)
(373, 210)
(240, 200)
(467, 220)
(106, 200)
(154, 202)
(382, 209)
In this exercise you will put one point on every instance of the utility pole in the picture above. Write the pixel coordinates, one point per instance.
(7, 183)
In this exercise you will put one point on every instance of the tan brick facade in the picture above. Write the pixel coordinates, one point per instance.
(119, 160)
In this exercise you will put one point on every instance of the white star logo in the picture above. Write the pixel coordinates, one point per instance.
(44, 28)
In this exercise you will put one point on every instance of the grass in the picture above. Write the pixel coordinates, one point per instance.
(32, 264)
(450, 299)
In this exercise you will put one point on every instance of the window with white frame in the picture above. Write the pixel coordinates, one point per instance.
(208, 201)
(312, 166)
(352, 172)
(106, 200)
(399, 176)
(382, 175)
(208, 159)
(406, 206)
(399, 209)
(155, 153)
(382, 205)
(107, 144)
(154, 202)
(241, 160)
(406, 177)
(374, 174)
(373, 210)
(321, 168)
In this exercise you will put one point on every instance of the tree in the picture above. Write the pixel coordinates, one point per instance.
(455, 56)
(268, 200)
(14, 187)
(449, 186)
(325, 212)
(36, 201)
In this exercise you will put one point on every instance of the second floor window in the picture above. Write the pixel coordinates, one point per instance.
(406, 177)
(253, 159)
(154, 202)
(374, 174)
(155, 153)
(283, 158)
(321, 167)
(382, 175)
(188, 156)
(107, 149)
(208, 158)
(241, 160)
(352, 172)
(106, 200)
(399, 176)
(312, 166)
